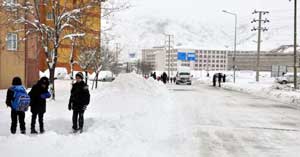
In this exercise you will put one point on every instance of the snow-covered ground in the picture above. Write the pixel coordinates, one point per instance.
(135, 117)
(129, 117)
(267, 87)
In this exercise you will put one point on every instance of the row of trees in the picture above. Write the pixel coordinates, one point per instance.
(66, 24)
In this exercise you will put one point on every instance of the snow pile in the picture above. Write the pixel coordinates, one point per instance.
(267, 87)
(277, 92)
(128, 117)
(136, 84)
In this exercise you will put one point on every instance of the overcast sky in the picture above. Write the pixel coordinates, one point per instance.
(210, 12)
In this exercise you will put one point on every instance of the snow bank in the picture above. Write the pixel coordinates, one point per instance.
(267, 87)
(130, 117)
(272, 91)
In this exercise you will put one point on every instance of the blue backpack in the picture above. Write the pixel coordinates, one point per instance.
(21, 99)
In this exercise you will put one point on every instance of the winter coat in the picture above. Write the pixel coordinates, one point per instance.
(220, 77)
(38, 96)
(80, 96)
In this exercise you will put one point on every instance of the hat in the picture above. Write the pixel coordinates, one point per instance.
(79, 74)
(44, 80)
(16, 81)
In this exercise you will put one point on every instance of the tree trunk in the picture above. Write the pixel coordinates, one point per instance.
(97, 75)
(86, 76)
(52, 79)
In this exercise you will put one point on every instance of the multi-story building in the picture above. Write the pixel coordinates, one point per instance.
(248, 60)
(211, 60)
(17, 57)
(23, 56)
(160, 59)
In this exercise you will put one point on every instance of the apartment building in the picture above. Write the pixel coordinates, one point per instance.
(160, 59)
(23, 56)
(248, 60)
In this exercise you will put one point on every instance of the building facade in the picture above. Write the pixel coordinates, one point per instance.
(17, 56)
(160, 59)
(248, 61)
(23, 56)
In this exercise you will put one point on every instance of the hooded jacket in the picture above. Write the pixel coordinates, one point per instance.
(37, 96)
(80, 96)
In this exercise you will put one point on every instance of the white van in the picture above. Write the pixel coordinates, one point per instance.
(184, 76)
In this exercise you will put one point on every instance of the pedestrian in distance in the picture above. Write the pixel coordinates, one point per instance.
(214, 80)
(79, 100)
(164, 77)
(38, 95)
(220, 77)
(224, 78)
(154, 75)
(18, 100)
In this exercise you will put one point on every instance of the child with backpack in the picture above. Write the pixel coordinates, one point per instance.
(38, 94)
(18, 100)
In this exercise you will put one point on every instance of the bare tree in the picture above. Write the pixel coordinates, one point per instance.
(85, 59)
(53, 34)
(103, 59)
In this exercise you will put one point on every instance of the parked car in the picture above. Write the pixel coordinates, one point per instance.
(60, 73)
(287, 78)
(106, 76)
(183, 76)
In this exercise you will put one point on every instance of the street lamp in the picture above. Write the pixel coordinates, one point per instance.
(295, 45)
(235, 34)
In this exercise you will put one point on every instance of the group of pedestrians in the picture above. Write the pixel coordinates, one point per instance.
(220, 78)
(19, 101)
(163, 77)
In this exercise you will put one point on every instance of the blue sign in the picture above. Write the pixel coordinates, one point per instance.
(181, 56)
(184, 56)
(132, 55)
(191, 56)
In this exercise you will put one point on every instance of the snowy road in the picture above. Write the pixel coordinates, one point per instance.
(134, 117)
(231, 124)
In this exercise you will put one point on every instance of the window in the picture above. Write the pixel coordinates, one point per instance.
(11, 1)
(12, 41)
(49, 16)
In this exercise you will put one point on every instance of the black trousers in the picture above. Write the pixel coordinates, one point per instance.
(78, 118)
(14, 120)
(41, 120)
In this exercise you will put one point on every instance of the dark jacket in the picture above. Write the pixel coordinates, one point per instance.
(80, 96)
(37, 101)
(9, 97)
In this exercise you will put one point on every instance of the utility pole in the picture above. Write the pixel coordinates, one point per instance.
(295, 46)
(259, 29)
(168, 43)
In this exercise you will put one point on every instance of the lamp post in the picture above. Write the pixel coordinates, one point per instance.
(295, 45)
(235, 37)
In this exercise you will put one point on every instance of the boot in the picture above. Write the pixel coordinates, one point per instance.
(42, 130)
(33, 131)
(80, 130)
(13, 131)
(23, 131)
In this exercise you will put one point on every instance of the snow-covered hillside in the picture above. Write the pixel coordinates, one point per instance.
(202, 25)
